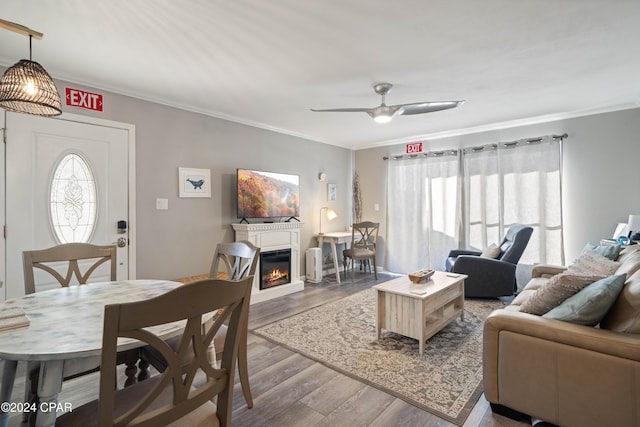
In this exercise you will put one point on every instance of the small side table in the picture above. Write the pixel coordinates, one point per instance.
(335, 238)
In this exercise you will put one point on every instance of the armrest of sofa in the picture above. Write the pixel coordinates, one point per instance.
(546, 270)
(458, 252)
(603, 341)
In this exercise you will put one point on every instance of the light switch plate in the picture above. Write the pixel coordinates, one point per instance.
(162, 204)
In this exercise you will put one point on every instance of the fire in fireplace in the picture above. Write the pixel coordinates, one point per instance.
(274, 268)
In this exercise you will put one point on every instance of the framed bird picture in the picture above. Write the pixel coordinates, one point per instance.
(194, 182)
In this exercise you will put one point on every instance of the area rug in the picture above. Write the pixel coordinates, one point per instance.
(446, 380)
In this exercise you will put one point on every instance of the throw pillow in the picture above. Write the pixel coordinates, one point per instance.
(492, 251)
(555, 291)
(592, 264)
(590, 305)
(612, 251)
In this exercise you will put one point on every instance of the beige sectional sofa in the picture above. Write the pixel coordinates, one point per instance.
(566, 373)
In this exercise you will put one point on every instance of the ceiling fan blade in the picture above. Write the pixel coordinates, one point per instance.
(427, 107)
(345, 110)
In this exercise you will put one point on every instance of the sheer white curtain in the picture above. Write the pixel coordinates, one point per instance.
(422, 212)
(514, 183)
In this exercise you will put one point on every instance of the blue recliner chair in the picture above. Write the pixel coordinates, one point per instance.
(488, 277)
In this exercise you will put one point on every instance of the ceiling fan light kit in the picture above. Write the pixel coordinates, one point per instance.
(385, 113)
(26, 87)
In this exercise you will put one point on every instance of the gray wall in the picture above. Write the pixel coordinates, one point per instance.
(180, 241)
(601, 177)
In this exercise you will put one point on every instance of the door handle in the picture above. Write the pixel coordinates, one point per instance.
(122, 242)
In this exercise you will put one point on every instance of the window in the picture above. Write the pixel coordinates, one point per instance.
(72, 200)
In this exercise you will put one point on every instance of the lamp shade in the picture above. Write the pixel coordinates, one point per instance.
(27, 88)
(330, 213)
(634, 223)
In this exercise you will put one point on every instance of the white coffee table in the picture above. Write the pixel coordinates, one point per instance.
(420, 310)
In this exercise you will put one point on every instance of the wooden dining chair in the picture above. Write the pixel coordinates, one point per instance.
(71, 254)
(68, 264)
(236, 261)
(232, 261)
(183, 394)
(364, 236)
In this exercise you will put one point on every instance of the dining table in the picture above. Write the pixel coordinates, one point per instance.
(65, 327)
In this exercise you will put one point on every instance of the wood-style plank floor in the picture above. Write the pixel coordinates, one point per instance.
(291, 390)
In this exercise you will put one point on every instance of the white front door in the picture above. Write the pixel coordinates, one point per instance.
(58, 156)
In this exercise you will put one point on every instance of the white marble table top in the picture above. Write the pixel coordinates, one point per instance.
(68, 322)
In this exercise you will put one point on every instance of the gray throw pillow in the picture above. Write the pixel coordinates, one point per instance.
(611, 251)
(555, 291)
(591, 304)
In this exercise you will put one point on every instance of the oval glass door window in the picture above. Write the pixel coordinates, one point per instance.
(73, 200)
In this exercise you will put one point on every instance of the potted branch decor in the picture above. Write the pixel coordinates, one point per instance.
(357, 198)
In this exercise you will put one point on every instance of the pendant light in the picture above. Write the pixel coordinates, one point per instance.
(26, 87)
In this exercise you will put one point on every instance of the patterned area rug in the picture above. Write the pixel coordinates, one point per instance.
(445, 381)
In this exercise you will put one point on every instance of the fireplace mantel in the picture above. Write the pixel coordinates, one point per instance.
(271, 237)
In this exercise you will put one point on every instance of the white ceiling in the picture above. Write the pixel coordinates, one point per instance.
(267, 62)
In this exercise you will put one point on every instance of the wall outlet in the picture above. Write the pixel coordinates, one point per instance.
(376, 207)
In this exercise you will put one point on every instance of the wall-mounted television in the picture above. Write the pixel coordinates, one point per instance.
(268, 194)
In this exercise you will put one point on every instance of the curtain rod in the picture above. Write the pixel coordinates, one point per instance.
(454, 152)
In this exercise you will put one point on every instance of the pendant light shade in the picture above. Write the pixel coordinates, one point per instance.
(27, 88)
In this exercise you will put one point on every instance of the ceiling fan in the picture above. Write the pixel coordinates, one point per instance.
(384, 113)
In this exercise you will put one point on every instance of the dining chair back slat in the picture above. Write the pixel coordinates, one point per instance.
(239, 260)
(71, 253)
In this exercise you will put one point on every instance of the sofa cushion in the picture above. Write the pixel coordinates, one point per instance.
(591, 304)
(629, 264)
(591, 264)
(624, 316)
(609, 251)
(556, 290)
(627, 251)
(523, 296)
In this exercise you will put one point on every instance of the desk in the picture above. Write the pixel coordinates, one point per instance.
(334, 238)
(66, 324)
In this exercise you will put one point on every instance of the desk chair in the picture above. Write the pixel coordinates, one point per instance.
(235, 262)
(363, 246)
(173, 397)
(71, 254)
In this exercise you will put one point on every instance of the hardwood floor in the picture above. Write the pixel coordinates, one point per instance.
(291, 390)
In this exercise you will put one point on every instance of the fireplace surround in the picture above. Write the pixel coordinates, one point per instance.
(270, 237)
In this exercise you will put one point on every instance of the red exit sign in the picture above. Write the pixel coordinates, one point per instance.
(83, 99)
(416, 147)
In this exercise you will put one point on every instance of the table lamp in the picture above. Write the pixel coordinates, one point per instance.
(331, 215)
(634, 227)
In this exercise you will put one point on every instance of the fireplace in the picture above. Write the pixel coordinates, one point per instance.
(275, 268)
(275, 236)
